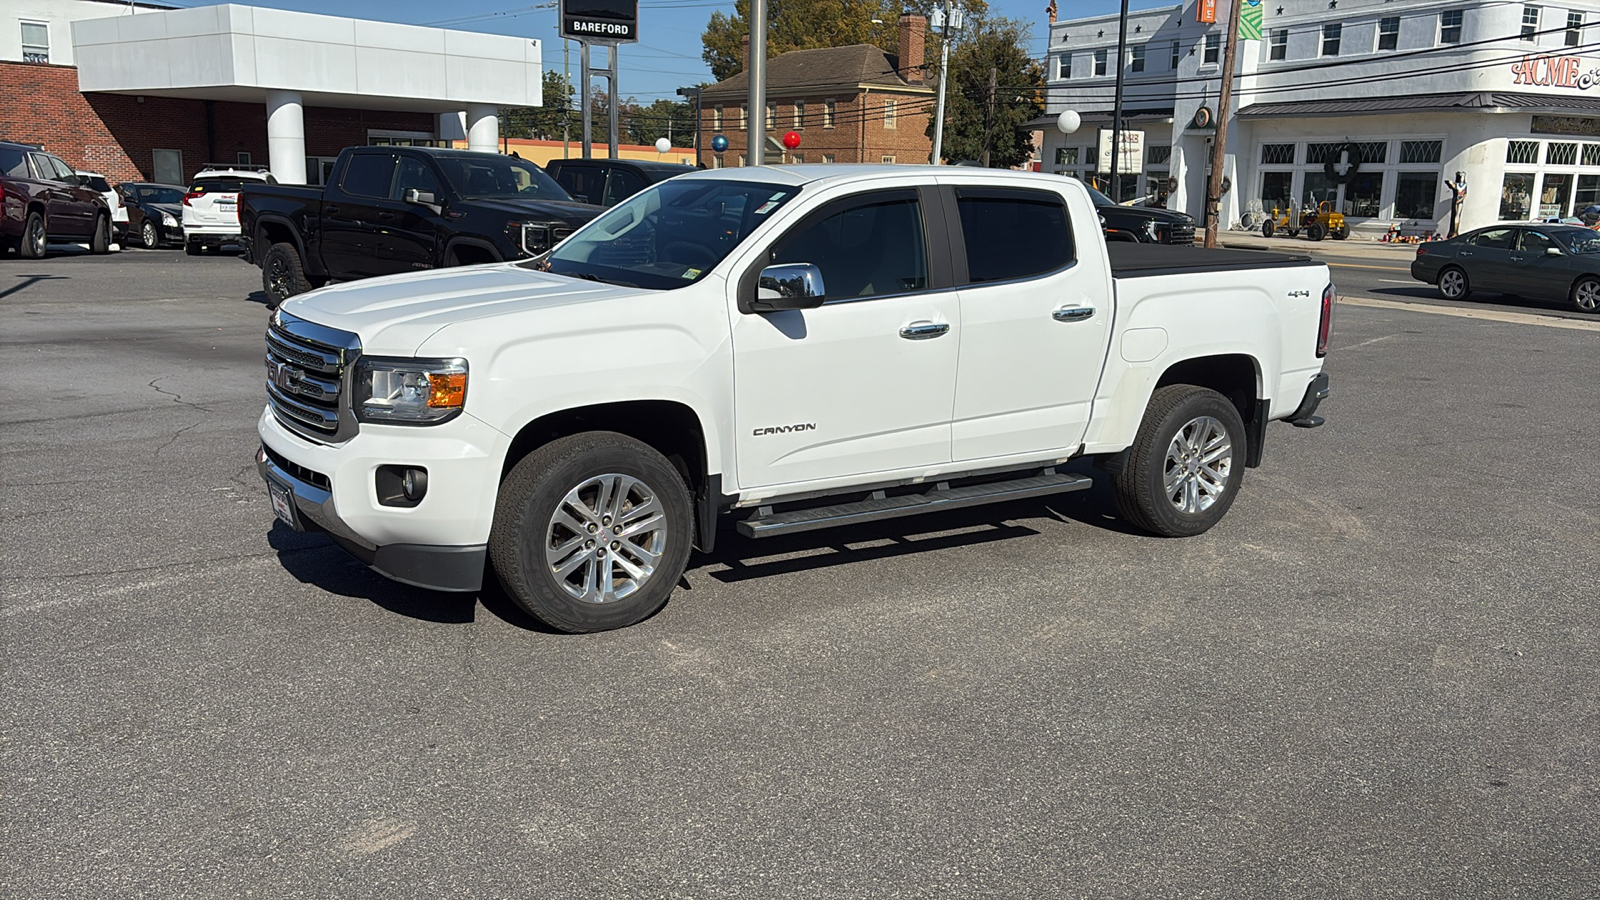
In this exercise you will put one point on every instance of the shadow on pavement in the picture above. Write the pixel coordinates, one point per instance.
(29, 281)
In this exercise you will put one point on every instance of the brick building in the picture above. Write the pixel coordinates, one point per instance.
(149, 92)
(848, 104)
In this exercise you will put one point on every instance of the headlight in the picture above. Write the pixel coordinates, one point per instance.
(1150, 229)
(169, 221)
(410, 391)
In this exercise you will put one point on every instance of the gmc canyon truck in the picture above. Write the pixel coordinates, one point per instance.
(798, 347)
(399, 209)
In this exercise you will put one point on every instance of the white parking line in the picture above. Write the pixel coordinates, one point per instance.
(1486, 315)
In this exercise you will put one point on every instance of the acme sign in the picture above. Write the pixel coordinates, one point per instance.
(1555, 71)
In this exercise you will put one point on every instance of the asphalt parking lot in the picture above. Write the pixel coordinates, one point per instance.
(1376, 678)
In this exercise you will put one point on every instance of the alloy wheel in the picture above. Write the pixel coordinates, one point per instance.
(1587, 295)
(605, 538)
(1199, 460)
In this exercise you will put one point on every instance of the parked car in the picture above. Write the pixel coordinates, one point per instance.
(801, 347)
(1142, 224)
(1548, 262)
(610, 181)
(42, 199)
(399, 209)
(211, 206)
(94, 181)
(155, 212)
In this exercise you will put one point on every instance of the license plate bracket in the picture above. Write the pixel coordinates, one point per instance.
(282, 497)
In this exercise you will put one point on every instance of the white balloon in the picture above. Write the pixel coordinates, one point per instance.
(663, 145)
(1068, 122)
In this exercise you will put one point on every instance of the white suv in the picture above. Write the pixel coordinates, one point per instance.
(94, 181)
(211, 207)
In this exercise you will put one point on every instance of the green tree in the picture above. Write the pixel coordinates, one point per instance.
(542, 122)
(663, 119)
(812, 24)
(980, 118)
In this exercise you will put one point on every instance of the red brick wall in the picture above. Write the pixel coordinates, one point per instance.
(115, 134)
(858, 134)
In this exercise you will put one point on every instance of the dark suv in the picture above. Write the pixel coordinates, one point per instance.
(610, 181)
(42, 199)
(1142, 224)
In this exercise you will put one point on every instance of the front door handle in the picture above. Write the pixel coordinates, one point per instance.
(1072, 313)
(921, 331)
(1464, 253)
(330, 210)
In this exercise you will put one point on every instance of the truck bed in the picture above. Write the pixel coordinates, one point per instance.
(1130, 260)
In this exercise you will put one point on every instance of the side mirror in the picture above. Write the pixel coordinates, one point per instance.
(789, 286)
(1552, 251)
(412, 195)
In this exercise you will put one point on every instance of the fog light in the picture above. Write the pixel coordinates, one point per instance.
(402, 486)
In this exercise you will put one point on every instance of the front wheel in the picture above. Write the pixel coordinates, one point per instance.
(148, 236)
(1586, 294)
(101, 241)
(1315, 232)
(1340, 234)
(1186, 463)
(591, 532)
(1453, 284)
(1266, 229)
(282, 276)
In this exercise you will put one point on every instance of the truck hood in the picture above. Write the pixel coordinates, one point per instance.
(569, 212)
(394, 315)
(1130, 214)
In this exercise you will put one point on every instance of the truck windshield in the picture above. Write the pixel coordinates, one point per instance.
(482, 177)
(670, 235)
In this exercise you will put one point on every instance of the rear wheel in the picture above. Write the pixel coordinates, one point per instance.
(282, 276)
(148, 236)
(1186, 463)
(1340, 234)
(1266, 229)
(101, 241)
(1586, 294)
(1453, 284)
(33, 237)
(1315, 232)
(591, 532)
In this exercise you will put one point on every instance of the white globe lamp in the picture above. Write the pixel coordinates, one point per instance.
(663, 145)
(1068, 122)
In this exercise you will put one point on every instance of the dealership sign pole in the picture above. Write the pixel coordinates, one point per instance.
(610, 23)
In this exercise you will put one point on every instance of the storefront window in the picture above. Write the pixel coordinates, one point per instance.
(1588, 192)
(1415, 194)
(1066, 156)
(1277, 189)
(1363, 193)
(1318, 188)
(1155, 189)
(1554, 194)
(1515, 192)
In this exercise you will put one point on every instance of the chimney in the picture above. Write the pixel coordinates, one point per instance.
(744, 54)
(912, 30)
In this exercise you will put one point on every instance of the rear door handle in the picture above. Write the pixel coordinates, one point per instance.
(1072, 313)
(331, 210)
(921, 331)
(1464, 253)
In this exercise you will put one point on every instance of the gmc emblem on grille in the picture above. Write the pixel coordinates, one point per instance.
(283, 375)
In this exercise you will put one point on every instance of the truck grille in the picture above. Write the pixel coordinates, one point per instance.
(1180, 234)
(307, 366)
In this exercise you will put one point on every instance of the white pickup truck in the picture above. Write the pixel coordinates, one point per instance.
(799, 347)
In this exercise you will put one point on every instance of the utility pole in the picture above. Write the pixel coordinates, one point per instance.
(758, 82)
(988, 116)
(1116, 110)
(566, 106)
(947, 20)
(1219, 146)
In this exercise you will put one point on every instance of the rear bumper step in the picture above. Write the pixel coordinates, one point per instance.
(767, 524)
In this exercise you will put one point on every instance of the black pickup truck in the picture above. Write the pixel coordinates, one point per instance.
(399, 209)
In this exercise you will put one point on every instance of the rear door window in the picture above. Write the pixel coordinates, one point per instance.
(1495, 238)
(13, 162)
(584, 183)
(1013, 234)
(368, 175)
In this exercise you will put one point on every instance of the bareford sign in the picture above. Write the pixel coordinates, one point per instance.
(600, 21)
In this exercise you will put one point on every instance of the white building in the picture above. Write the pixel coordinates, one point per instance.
(1374, 105)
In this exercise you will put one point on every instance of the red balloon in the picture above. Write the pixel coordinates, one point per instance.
(791, 140)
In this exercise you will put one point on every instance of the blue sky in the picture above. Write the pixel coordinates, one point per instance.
(668, 55)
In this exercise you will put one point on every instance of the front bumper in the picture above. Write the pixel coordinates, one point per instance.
(440, 543)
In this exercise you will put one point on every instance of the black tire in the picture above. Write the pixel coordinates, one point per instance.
(1177, 414)
(34, 239)
(1315, 232)
(1266, 229)
(1585, 294)
(192, 248)
(282, 276)
(1294, 232)
(526, 531)
(1341, 233)
(1453, 283)
(149, 236)
(100, 243)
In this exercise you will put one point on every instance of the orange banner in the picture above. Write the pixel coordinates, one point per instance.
(1206, 11)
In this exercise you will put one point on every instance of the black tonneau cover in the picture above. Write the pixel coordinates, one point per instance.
(1130, 260)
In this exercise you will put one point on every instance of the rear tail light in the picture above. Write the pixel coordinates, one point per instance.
(1422, 249)
(190, 196)
(1326, 325)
